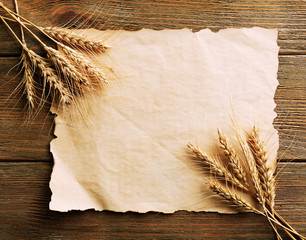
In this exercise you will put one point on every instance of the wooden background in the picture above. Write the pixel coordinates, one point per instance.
(26, 163)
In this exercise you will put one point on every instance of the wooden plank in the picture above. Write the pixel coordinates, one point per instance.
(20, 140)
(288, 16)
(290, 98)
(31, 142)
(24, 212)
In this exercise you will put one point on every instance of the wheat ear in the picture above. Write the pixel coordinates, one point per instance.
(232, 197)
(94, 74)
(253, 172)
(267, 180)
(215, 166)
(28, 80)
(76, 41)
(49, 75)
(234, 164)
(66, 68)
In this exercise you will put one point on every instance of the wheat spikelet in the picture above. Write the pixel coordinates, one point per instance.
(253, 172)
(28, 80)
(234, 164)
(94, 74)
(76, 41)
(49, 75)
(232, 197)
(267, 181)
(215, 167)
(69, 72)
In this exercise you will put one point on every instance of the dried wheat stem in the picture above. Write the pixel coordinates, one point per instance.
(232, 197)
(234, 164)
(286, 226)
(17, 18)
(216, 167)
(267, 180)
(73, 40)
(21, 28)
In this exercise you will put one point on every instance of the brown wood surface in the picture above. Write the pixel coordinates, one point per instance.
(25, 214)
(26, 164)
(287, 16)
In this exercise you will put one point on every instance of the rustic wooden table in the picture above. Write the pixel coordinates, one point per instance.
(26, 163)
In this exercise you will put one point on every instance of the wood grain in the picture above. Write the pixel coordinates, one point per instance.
(31, 141)
(20, 140)
(24, 212)
(290, 98)
(287, 16)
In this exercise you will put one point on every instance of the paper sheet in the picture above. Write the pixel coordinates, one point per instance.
(173, 87)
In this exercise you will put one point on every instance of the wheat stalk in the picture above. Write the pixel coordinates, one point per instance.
(254, 173)
(267, 180)
(69, 73)
(77, 41)
(262, 180)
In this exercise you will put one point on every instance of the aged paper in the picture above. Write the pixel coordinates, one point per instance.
(173, 87)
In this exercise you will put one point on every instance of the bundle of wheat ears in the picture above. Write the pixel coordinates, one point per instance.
(64, 76)
(244, 175)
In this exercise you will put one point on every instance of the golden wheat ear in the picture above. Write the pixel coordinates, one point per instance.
(251, 166)
(234, 162)
(28, 81)
(74, 40)
(94, 74)
(216, 167)
(66, 69)
(267, 181)
(49, 76)
(232, 197)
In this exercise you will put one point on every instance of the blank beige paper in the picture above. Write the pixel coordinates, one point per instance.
(172, 87)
